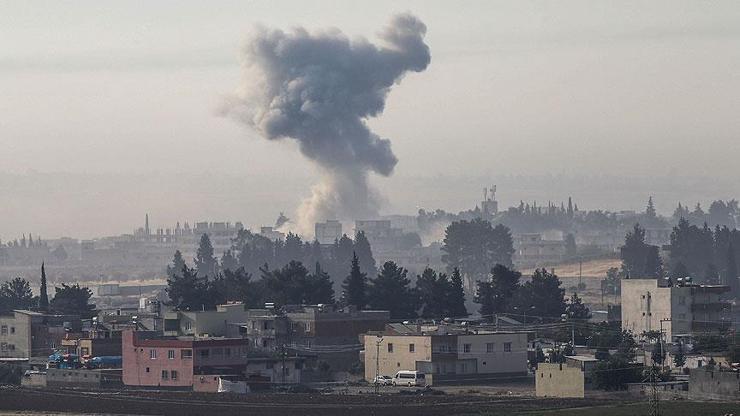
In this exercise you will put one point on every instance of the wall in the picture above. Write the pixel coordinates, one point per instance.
(141, 370)
(400, 359)
(559, 380)
(644, 304)
(714, 385)
(17, 340)
(498, 361)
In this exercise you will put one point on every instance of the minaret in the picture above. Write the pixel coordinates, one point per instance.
(146, 225)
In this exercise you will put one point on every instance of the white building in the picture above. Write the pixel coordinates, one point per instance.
(327, 232)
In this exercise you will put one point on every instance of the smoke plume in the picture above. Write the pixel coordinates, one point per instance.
(319, 88)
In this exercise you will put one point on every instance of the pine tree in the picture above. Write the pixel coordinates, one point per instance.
(178, 263)
(650, 209)
(391, 290)
(456, 296)
(364, 253)
(355, 286)
(205, 263)
(43, 295)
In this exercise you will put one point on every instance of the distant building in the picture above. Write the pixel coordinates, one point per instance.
(446, 354)
(682, 309)
(714, 384)
(328, 232)
(271, 234)
(559, 380)
(530, 250)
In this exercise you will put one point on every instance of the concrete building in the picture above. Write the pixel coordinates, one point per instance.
(327, 232)
(682, 309)
(559, 380)
(203, 324)
(272, 234)
(177, 362)
(532, 250)
(447, 354)
(26, 334)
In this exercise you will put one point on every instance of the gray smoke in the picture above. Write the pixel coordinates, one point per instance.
(318, 88)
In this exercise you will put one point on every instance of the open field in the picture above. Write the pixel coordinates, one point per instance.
(672, 408)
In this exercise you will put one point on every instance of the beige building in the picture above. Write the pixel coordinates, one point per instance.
(683, 309)
(560, 380)
(458, 356)
(25, 334)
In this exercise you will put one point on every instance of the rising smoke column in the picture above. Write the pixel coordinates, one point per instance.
(318, 88)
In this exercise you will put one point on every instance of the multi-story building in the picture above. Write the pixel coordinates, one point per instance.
(26, 334)
(327, 232)
(532, 250)
(680, 309)
(446, 354)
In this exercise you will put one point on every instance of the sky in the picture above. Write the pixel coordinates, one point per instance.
(109, 109)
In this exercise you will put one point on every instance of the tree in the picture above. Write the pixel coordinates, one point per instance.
(320, 287)
(391, 291)
(355, 286)
(575, 309)
(544, 293)
(497, 295)
(73, 300)
(43, 295)
(292, 284)
(679, 358)
(476, 246)
(657, 355)
(178, 263)
(205, 262)
(186, 291)
(650, 209)
(364, 253)
(638, 258)
(15, 294)
(229, 261)
(731, 275)
(456, 296)
(432, 289)
(239, 286)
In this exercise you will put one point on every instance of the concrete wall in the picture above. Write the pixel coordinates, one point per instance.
(15, 338)
(644, 304)
(401, 358)
(497, 360)
(141, 370)
(714, 385)
(559, 380)
(82, 378)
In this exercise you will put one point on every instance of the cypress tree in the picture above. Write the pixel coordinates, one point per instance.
(355, 286)
(44, 296)
(731, 273)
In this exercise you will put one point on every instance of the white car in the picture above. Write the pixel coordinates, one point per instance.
(383, 380)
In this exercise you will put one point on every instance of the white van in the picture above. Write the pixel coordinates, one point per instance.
(409, 378)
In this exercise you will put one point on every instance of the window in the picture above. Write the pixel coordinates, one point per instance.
(188, 326)
(3, 346)
(171, 354)
(218, 351)
(147, 369)
(173, 374)
(4, 330)
(204, 353)
(84, 351)
(12, 330)
(411, 347)
(308, 326)
(186, 354)
(152, 354)
(507, 346)
(489, 347)
(165, 375)
(466, 348)
(390, 347)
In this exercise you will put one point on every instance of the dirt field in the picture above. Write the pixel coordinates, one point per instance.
(185, 404)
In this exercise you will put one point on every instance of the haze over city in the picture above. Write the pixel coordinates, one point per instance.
(108, 113)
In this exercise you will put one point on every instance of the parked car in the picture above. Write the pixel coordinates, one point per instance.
(383, 380)
(409, 378)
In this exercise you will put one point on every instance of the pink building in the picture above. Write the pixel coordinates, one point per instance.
(179, 362)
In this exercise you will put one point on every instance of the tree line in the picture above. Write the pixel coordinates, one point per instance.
(68, 299)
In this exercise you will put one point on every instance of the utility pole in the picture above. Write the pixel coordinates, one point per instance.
(662, 349)
(282, 369)
(377, 364)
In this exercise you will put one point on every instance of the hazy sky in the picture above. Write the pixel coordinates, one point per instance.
(514, 88)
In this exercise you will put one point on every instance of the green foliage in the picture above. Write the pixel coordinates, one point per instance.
(497, 295)
(43, 295)
(679, 357)
(391, 291)
(657, 355)
(475, 246)
(72, 300)
(575, 309)
(616, 372)
(15, 294)
(364, 253)
(456, 296)
(293, 284)
(355, 286)
(205, 263)
(710, 343)
(638, 258)
(543, 292)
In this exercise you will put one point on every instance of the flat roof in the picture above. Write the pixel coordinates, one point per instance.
(581, 358)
